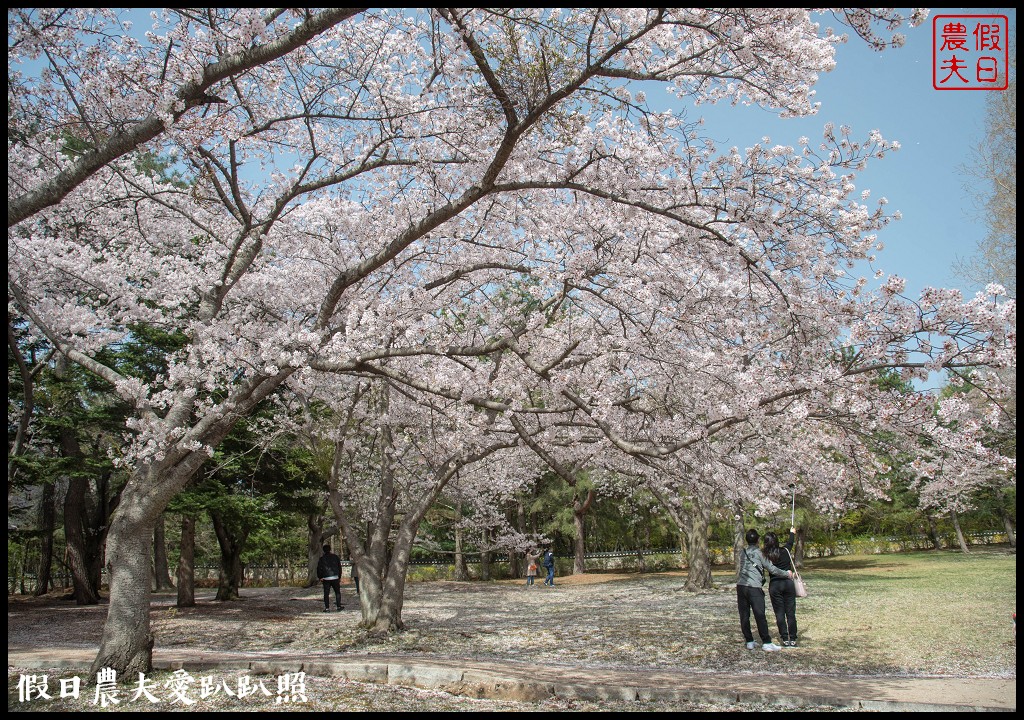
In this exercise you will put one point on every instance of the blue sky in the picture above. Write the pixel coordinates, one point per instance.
(892, 92)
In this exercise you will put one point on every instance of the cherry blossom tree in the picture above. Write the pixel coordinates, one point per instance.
(971, 448)
(474, 206)
(392, 461)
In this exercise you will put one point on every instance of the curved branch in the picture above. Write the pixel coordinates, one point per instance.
(193, 95)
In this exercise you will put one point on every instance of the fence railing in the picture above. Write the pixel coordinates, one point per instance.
(294, 573)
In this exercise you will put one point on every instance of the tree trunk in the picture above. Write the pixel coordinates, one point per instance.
(579, 512)
(81, 549)
(78, 555)
(314, 543)
(381, 611)
(698, 575)
(960, 539)
(389, 613)
(127, 644)
(684, 546)
(46, 524)
(461, 571)
(739, 540)
(383, 567)
(798, 548)
(515, 561)
(485, 556)
(229, 578)
(186, 563)
(1011, 531)
(160, 566)
(933, 532)
(578, 543)
(316, 536)
(23, 566)
(1011, 534)
(97, 537)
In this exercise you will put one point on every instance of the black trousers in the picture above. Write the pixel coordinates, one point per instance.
(783, 594)
(752, 599)
(328, 584)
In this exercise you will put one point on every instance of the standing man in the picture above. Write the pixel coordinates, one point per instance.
(549, 565)
(329, 572)
(750, 592)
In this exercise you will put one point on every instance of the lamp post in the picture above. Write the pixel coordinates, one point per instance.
(792, 520)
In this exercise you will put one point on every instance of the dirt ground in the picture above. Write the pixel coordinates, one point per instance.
(598, 621)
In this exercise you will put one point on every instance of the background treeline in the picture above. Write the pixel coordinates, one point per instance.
(261, 501)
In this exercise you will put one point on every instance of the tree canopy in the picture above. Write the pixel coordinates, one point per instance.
(474, 214)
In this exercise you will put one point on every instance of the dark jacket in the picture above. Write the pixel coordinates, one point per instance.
(329, 566)
(549, 559)
(786, 555)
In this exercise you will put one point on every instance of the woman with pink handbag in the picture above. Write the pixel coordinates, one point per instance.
(782, 590)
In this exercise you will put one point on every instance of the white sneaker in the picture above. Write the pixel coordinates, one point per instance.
(770, 647)
(751, 645)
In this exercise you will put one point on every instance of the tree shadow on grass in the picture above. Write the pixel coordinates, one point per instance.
(853, 563)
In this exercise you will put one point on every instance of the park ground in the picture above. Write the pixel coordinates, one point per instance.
(914, 615)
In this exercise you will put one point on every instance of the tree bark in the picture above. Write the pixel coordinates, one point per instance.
(798, 548)
(698, 575)
(186, 563)
(579, 512)
(1011, 530)
(383, 567)
(316, 537)
(76, 525)
(229, 578)
(314, 543)
(739, 540)
(485, 556)
(933, 532)
(46, 525)
(160, 566)
(127, 644)
(461, 570)
(960, 539)
(516, 568)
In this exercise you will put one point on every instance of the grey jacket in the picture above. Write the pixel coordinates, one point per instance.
(751, 563)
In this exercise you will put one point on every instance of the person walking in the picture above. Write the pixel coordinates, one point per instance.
(328, 570)
(782, 591)
(549, 565)
(750, 592)
(531, 567)
(355, 575)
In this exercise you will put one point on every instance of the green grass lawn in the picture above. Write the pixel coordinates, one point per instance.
(923, 611)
